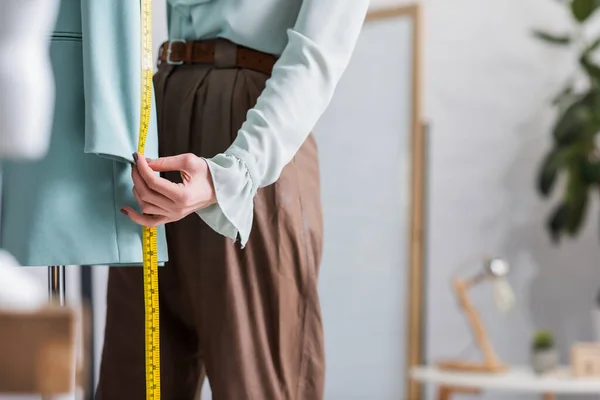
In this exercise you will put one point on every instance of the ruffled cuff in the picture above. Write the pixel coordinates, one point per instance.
(232, 215)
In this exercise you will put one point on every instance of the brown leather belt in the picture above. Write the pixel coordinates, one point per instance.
(218, 52)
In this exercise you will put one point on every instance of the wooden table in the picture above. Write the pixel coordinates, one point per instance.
(516, 379)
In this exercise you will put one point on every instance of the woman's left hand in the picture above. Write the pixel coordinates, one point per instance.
(163, 201)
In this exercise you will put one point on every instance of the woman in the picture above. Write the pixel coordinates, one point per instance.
(240, 86)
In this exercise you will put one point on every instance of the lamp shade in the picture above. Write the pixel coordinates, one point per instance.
(497, 268)
(503, 293)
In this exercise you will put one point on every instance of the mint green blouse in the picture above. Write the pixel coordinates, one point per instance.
(314, 39)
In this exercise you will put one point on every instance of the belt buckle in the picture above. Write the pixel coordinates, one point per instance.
(170, 50)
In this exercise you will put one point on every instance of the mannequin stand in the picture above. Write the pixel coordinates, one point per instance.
(56, 284)
(57, 295)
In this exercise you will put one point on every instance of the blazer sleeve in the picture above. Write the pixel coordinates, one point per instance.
(302, 84)
(112, 79)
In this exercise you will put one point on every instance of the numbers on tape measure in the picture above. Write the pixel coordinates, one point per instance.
(152, 314)
(149, 242)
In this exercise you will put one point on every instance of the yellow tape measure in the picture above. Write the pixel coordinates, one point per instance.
(149, 246)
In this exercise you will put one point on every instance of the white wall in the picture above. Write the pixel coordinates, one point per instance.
(364, 148)
(487, 89)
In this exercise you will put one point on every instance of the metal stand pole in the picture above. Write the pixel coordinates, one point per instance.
(56, 291)
(87, 297)
(56, 284)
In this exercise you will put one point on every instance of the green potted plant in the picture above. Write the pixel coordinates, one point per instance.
(544, 357)
(575, 153)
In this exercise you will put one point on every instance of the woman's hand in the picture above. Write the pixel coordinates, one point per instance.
(163, 201)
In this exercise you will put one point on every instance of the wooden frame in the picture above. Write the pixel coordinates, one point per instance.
(415, 320)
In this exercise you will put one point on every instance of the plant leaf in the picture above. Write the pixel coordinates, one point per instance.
(594, 95)
(593, 46)
(582, 9)
(592, 69)
(576, 200)
(556, 160)
(574, 122)
(566, 92)
(558, 221)
(547, 175)
(591, 172)
(543, 340)
(552, 38)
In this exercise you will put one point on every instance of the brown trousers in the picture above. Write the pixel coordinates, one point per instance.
(248, 317)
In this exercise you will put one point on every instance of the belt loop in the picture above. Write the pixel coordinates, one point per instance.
(161, 50)
(225, 54)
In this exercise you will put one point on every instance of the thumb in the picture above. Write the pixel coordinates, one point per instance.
(181, 162)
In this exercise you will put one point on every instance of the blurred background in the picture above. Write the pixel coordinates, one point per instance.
(444, 145)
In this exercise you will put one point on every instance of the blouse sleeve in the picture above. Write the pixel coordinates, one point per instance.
(296, 95)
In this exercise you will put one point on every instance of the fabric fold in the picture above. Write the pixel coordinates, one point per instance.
(112, 80)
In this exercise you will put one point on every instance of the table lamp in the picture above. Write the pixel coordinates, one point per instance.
(494, 270)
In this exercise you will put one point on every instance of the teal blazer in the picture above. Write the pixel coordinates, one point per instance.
(64, 209)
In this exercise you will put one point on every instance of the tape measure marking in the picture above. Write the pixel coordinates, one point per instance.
(149, 240)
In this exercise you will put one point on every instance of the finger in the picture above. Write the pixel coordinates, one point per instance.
(138, 181)
(137, 196)
(142, 219)
(152, 198)
(147, 195)
(155, 182)
(181, 162)
(148, 208)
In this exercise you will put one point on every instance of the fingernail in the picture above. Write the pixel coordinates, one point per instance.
(124, 211)
(135, 157)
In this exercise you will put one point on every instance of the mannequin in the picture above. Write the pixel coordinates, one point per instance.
(68, 212)
(26, 83)
(18, 290)
(27, 98)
